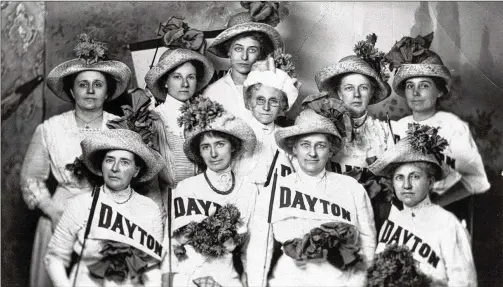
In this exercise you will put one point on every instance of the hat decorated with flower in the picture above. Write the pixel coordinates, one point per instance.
(95, 147)
(184, 45)
(91, 56)
(368, 61)
(200, 115)
(422, 144)
(277, 72)
(261, 17)
(412, 57)
(307, 122)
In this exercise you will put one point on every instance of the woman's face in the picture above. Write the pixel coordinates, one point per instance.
(312, 152)
(422, 94)
(243, 53)
(355, 91)
(216, 152)
(119, 168)
(89, 90)
(411, 184)
(182, 82)
(266, 104)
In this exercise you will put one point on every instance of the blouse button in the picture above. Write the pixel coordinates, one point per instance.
(413, 215)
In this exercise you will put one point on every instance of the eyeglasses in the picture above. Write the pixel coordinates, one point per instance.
(272, 102)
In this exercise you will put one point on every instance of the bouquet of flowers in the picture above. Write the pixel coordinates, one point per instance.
(215, 236)
(199, 112)
(395, 266)
(425, 139)
(335, 242)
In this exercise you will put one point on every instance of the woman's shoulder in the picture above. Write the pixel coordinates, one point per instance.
(191, 183)
(147, 203)
(337, 178)
(60, 119)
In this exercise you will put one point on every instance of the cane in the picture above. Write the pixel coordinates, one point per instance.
(269, 174)
(95, 195)
(390, 128)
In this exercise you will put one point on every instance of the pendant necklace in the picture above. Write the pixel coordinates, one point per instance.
(216, 189)
(86, 123)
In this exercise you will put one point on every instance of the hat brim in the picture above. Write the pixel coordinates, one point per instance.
(175, 59)
(218, 48)
(324, 78)
(228, 124)
(308, 122)
(93, 150)
(119, 71)
(402, 152)
(407, 71)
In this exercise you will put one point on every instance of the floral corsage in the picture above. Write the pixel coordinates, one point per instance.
(395, 266)
(334, 242)
(215, 236)
(119, 262)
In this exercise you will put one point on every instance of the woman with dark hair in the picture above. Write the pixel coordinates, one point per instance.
(88, 82)
(246, 40)
(119, 157)
(211, 211)
(434, 237)
(179, 75)
(423, 80)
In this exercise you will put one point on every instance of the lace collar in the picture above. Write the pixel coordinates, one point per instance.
(222, 179)
(358, 122)
(259, 128)
(414, 210)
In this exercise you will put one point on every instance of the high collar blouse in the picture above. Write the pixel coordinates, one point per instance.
(437, 240)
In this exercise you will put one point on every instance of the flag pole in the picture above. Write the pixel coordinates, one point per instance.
(95, 195)
(269, 219)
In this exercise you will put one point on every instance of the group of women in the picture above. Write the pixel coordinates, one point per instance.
(250, 202)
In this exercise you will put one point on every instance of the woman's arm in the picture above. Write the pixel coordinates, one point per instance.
(34, 173)
(61, 245)
(457, 254)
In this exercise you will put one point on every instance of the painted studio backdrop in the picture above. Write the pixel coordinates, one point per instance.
(36, 36)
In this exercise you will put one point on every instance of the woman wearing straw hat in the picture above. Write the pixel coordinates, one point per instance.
(88, 82)
(434, 236)
(175, 79)
(422, 80)
(249, 37)
(211, 210)
(359, 81)
(120, 157)
(323, 220)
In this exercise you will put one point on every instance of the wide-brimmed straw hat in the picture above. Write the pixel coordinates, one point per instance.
(422, 144)
(200, 115)
(92, 59)
(170, 60)
(351, 64)
(413, 58)
(266, 73)
(242, 23)
(94, 148)
(307, 122)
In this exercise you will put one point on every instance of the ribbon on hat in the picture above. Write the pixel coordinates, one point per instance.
(333, 109)
(410, 51)
(90, 50)
(376, 59)
(177, 34)
(425, 139)
(271, 13)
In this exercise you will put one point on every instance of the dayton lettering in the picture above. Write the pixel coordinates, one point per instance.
(313, 203)
(401, 236)
(117, 225)
(193, 206)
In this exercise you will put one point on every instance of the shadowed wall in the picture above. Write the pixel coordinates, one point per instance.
(468, 37)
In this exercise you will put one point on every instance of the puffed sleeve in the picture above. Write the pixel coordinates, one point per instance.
(457, 254)
(64, 237)
(35, 170)
(468, 161)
